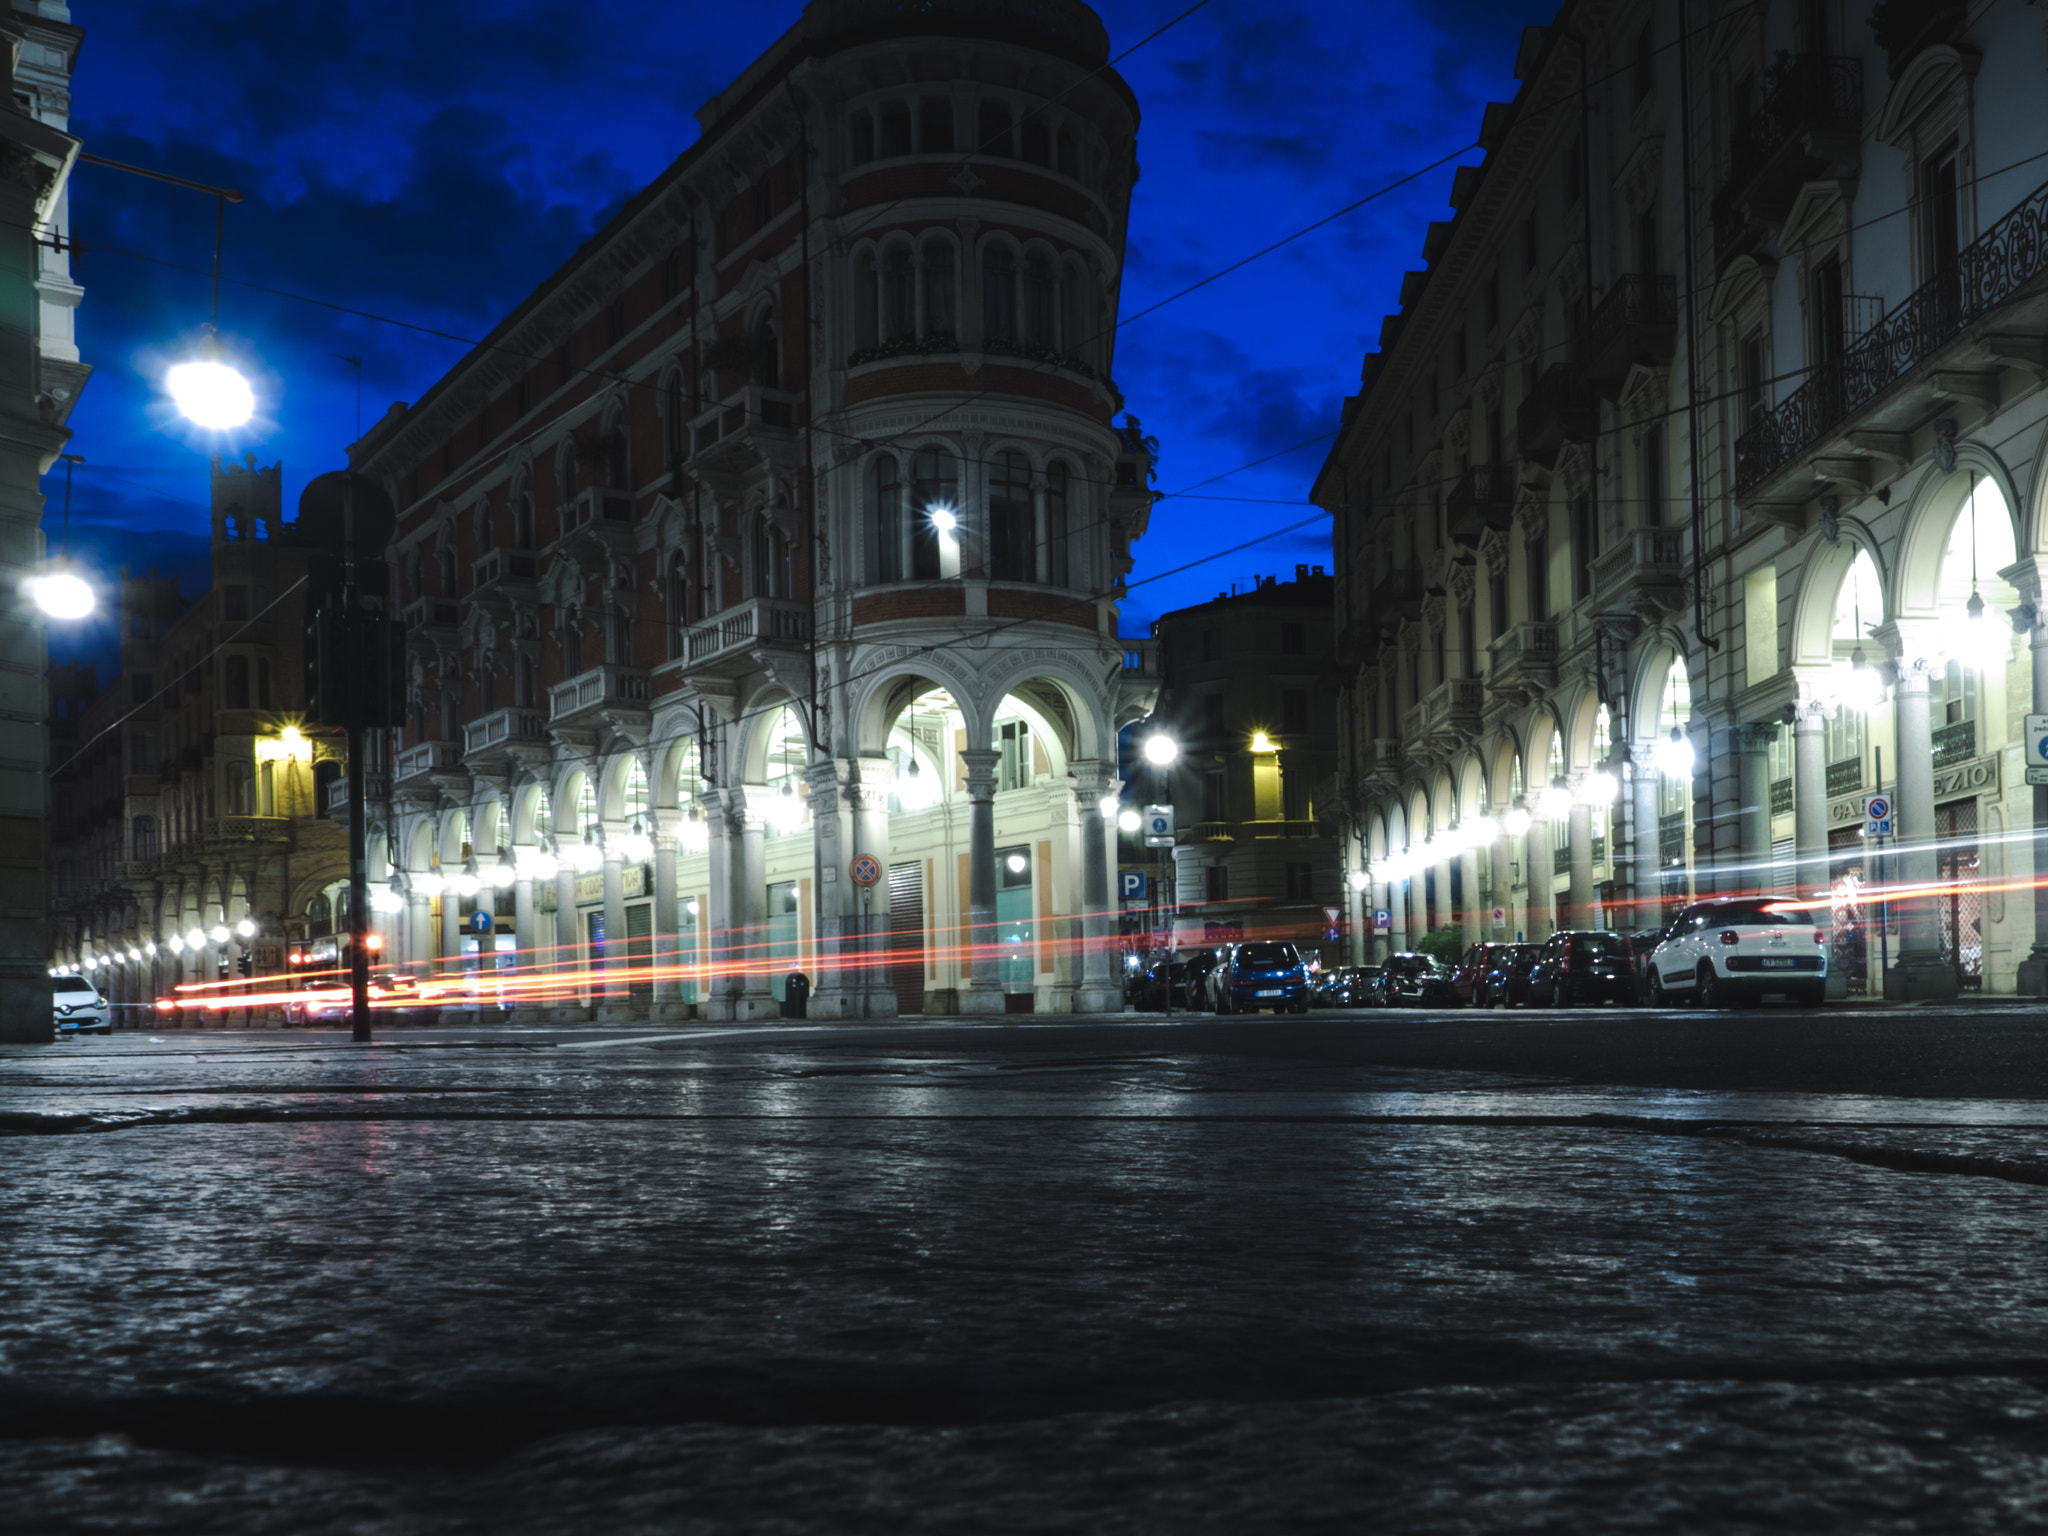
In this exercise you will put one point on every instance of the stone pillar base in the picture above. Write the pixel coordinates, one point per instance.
(878, 1003)
(1920, 981)
(2033, 977)
(1091, 997)
(981, 1001)
(754, 1008)
(836, 1003)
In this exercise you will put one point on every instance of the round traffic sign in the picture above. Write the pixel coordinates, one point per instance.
(1877, 807)
(867, 869)
(480, 920)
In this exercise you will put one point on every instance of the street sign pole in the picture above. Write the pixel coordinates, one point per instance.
(358, 833)
(1884, 921)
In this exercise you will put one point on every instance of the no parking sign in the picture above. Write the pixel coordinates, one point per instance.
(1877, 816)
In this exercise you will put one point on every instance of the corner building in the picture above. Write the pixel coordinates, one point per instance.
(1695, 494)
(784, 525)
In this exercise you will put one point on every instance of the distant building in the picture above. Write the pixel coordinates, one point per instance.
(1246, 692)
(186, 803)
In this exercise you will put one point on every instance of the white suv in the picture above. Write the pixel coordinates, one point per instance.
(1733, 951)
(80, 1008)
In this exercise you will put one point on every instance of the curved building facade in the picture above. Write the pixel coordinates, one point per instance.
(761, 569)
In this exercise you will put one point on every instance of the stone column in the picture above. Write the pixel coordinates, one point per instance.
(528, 959)
(1040, 544)
(1646, 864)
(867, 810)
(1918, 970)
(451, 928)
(1542, 873)
(1579, 866)
(1096, 989)
(1750, 745)
(2032, 978)
(746, 827)
(668, 981)
(615, 990)
(984, 992)
(568, 939)
(720, 922)
(1810, 796)
(1397, 915)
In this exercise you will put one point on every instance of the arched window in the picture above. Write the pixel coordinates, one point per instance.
(1012, 542)
(940, 302)
(320, 916)
(935, 487)
(862, 148)
(618, 461)
(998, 297)
(993, 137)
(522, 518)
(899, 297)
(525, 681)
(326, 773)
(893, 137)
(235, 685)
(705, 556)
(484, 541)
(241, 790)
(586, 807)
(757, 558)
(1038, 302)
(1058, 566)
(142, 837)
(781, 565)
(446, 559)
(866, 302)
(543, 818)
(888, 544)
(767, 354)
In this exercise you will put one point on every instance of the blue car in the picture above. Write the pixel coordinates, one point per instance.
(1266, 974)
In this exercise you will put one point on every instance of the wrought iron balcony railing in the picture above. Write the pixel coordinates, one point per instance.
(1845, 777)
(2008, 258)
(1809, 93)
(1955, 743)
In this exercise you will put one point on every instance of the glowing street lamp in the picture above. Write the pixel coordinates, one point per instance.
(1161, 750)
(60, 591)
(209, 393)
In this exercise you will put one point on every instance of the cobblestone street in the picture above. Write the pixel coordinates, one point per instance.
(1456, 1272)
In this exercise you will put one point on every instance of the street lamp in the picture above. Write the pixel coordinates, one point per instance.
(1674, 755)
(208, 392)
(1161, 750)
(60, 591)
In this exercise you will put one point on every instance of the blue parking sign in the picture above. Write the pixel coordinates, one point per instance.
(1133, 884)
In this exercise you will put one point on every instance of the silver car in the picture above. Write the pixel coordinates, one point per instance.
(80, 1008)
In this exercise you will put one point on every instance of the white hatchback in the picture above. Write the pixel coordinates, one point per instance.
(80, 1008)
(1736, 950)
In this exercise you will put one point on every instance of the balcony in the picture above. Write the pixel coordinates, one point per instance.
(1141, 658)
(1523, 661)
(1892, 379)
(1397, 595)
(1637, 322)
(503, 728)
(431, 620)
(1845, 777)
(417, 762)
(1212, 832)
(1483, 498)
(730, 643)
(1563, 408)
(240, 831)
(601, 688)
(1447, 717)
(376, 786)
(511, 574)
(600, 515)
(1649, 560)
(1807, 128)
(751, 427)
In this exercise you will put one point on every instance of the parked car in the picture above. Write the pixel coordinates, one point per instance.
(1263, 974)
(1413, 980)
(1582, 966)
(332, 997)
(1739, 949)
(1186, 974)
(81, 1010)
(1347, 986)
(1506, 981)
(1472, 969)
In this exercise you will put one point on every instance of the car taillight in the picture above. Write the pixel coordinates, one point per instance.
(1819, 937)
(1730, 937)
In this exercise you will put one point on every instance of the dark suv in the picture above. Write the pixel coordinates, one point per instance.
(1414, 980)
(1266, 974)
(1582, 966)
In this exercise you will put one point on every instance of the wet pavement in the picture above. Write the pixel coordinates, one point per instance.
(1443, 1272)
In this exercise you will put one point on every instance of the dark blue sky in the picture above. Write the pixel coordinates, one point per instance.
(433, 170)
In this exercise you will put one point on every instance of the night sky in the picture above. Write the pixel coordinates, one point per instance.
(431, 164)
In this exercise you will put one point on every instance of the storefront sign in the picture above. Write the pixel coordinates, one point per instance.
(1979, 776)
(590, 887)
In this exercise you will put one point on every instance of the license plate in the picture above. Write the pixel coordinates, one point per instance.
(1778, 962)
(1273, 992)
